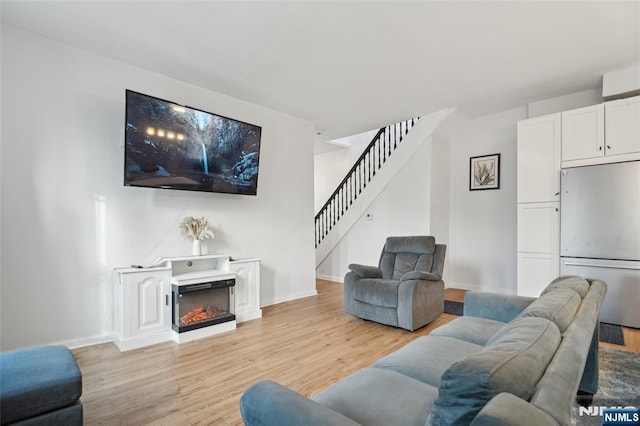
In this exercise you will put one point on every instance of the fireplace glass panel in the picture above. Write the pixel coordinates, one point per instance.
(201, 305)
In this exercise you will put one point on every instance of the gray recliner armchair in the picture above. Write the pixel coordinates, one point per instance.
(405, 290)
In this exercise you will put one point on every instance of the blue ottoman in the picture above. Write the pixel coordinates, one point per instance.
(39, 386)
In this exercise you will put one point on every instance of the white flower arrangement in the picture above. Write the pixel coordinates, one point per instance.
(196, 228)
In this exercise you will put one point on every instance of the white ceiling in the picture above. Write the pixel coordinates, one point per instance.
(355, 66)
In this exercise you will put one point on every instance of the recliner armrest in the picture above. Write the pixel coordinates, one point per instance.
(494, 306)
(269, 403)
(366, 271)
(419, 275)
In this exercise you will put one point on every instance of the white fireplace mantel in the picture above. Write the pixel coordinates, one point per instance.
(142, 296)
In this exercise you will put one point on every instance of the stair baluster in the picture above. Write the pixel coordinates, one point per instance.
(364, 169)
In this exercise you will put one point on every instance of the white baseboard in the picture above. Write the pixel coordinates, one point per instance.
(330, 278)
(89, 341)
(289, 297)
(139, 342)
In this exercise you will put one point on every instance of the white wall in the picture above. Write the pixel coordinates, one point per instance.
(329, 170)
(564, 103)
(482, 249)
(331, 167)
(402, 208)
(621, 83)
(67, 219)
(440, 195)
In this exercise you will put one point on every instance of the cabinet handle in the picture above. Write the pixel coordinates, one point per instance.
(600, 148)
(556, 194)
(166, 300)
(608, 146)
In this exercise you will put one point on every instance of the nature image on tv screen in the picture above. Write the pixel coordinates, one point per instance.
(172, 146)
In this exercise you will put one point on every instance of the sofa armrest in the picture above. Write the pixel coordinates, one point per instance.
(419, 275)
(269, 403)
(498, 307)
(506, 409)
(366, 271)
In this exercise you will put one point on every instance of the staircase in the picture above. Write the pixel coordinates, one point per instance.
(359, 189)
(383, 144)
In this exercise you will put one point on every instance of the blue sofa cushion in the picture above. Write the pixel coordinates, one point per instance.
(470, 329)
(36, 381)
(373, 396)
(559, 305)
(572, 282)
(427, 357)
(267, 403)
(376, 292)
(512, 361)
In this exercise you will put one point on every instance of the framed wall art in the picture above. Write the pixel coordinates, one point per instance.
(484, 172)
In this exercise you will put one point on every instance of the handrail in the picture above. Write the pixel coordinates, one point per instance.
(351, 171)
(384, 142)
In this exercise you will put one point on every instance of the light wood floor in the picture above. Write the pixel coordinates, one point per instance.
(307, 345)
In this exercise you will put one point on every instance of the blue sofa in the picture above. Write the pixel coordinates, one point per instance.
(508, 360)
(40, 386)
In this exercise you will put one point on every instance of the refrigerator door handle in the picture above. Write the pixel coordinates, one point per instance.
(600, 265)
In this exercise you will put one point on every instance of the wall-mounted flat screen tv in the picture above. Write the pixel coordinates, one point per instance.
(173, 146)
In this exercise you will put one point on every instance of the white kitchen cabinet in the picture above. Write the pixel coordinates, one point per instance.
(538, 246)
(583, 133)
(539, 150)
(535, 272)
(603, 133)
(539, 227)
(142, 307)
(247, 289)
(622, 126)
(539, 159)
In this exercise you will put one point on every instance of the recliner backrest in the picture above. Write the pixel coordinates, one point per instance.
(405, 254)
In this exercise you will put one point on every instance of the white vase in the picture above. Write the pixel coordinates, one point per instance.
(196, 249)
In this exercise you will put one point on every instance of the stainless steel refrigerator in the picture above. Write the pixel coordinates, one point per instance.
(600, 234)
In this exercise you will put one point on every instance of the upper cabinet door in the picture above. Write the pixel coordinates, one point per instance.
(539, 159)
(623, 126)
(583, 133)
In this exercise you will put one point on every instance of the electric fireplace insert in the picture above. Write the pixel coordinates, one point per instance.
(202, 304)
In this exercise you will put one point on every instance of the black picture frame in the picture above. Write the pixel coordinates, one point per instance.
(484, 172)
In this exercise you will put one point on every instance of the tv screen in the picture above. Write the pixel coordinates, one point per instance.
(168, 145)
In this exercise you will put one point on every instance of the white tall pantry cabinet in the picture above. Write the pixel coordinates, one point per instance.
(539, 151)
